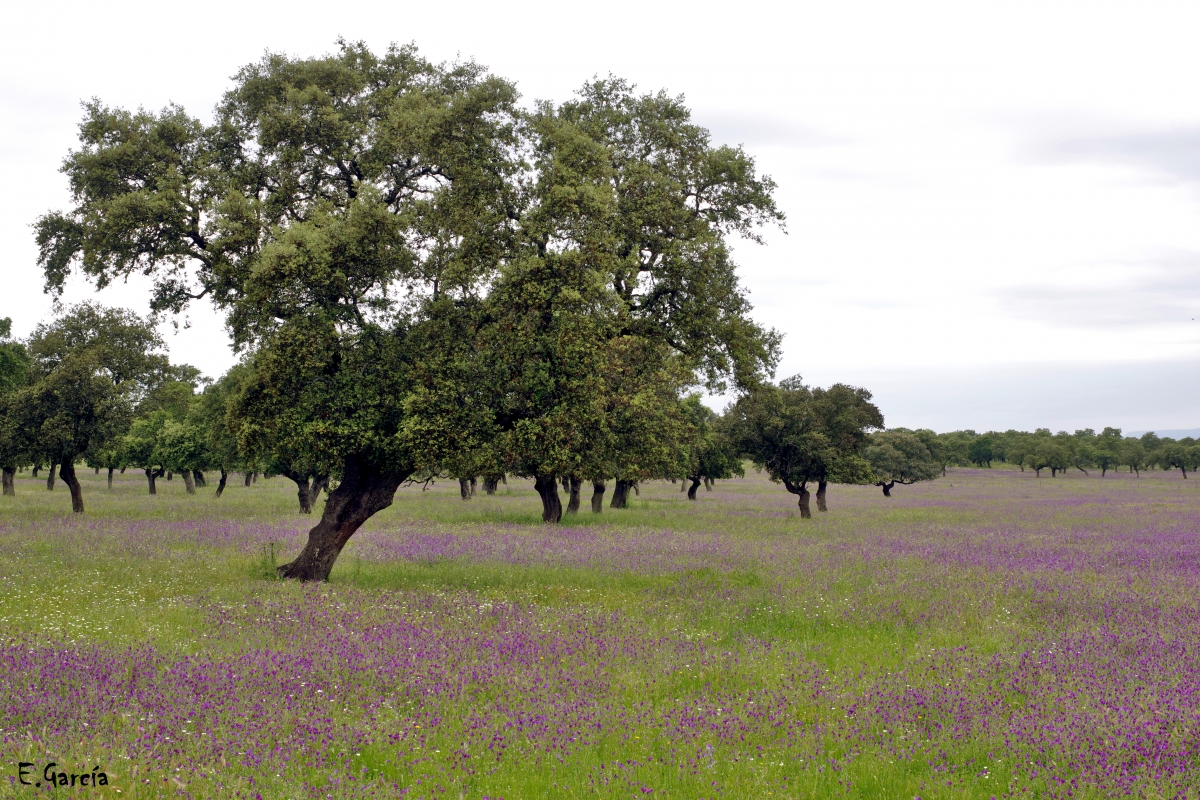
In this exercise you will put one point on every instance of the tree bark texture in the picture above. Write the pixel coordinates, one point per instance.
(66, 471)
(189, 483)
(303, 492)
(573, 501)
(35, 470)
(887, 488)
(363, 492)
(598, 489)
(221, 483)
(110, 474)
(547, 489)
(247, 477)
(489, 485)
(692, 489)
(620, 498)
(708, 484)
(821, 486)
(10, 486)
(50, 477)
(801, 491)
(464, 489)
(198, 475)
(151, 476)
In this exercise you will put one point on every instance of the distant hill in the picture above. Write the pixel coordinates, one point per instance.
(1178, 433)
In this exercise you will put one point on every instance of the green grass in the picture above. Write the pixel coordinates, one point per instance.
(851, 607)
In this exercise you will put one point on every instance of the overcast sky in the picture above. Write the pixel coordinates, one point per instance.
(993, 208)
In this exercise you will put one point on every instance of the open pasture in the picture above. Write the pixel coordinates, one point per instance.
(987, 634)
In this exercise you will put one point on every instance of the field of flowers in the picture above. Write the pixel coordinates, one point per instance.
(991, 634)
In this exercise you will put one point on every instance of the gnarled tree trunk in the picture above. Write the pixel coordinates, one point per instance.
(189, 483)
(363, 492)
(573, 502)
(66, 471)
(489, 485)
(598, 488)
(303, 492)
(801, 491)
(692, 489)
(464, 489)
(221, 483)
(887, 488)
(708, 484)
(547, 489)
(50, 477)
(821, 486)
(10, 486)
(198, 476)
(151, 479)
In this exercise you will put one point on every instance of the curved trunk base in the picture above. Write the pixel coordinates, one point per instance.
(821, 486)
(221, 483)
(362, 493)
(887, 488)
(66, 471)
(189, 481)
(692, 489)
(598, 489)
(50, 477)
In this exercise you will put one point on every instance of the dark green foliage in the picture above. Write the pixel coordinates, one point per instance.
(801, 435)
(89, 368)
(900, 456)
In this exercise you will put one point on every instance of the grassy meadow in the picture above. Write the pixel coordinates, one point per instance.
(990, 634)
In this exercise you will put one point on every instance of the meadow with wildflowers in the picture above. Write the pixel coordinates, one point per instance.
(990, 634)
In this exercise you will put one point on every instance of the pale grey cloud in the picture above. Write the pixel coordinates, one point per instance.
(763, 130)
(1172, 152)
(1164, 291)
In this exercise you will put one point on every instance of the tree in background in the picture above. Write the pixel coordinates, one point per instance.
(979, 451)
(1134, 455)
(14, 373)
(210, 413)
(801, 435)
(955, 450)
(1107, 450)
(1082, 447)
(1182, 455)
(711, 455)
(1048, 452)
(89, 368)
(899, 456)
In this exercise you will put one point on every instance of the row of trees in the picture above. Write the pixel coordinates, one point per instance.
(426, 279)
(1083, 450)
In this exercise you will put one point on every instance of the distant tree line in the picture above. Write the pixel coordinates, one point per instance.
(1084, 450)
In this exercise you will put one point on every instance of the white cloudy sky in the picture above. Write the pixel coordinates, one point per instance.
(993, 208)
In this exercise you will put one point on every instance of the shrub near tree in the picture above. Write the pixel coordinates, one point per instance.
(900, 457)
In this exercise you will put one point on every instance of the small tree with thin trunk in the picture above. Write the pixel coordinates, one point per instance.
(801, 435)
(899, 457)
